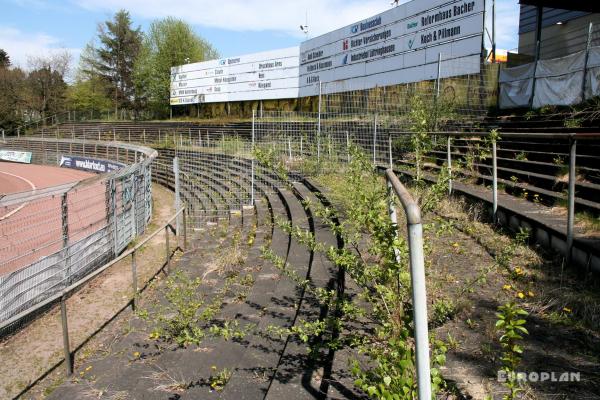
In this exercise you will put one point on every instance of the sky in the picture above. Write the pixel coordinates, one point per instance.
(235, 27)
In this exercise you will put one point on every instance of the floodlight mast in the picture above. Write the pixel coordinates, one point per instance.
(304, 28)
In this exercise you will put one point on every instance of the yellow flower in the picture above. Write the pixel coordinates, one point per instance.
(506, 287)
(213, 367)
(136, 354)
(520, 295)
(567, 309)
(519, 271)
(455, 244)
(88, 368)
(530, 294)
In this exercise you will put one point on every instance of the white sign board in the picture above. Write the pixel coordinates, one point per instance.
(16, 156)
(266, 75)
(400, 45)
(397, 46)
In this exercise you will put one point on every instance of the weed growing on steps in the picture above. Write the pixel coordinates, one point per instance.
(385, 368)
(510, 326)
(182, 320)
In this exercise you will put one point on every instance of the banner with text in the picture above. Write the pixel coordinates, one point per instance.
(400, 45)
(16, 156)
(264, 76)
(89, 164)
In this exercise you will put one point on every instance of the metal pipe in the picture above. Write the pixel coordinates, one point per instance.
(177, 191)
(390, 151)
(65, 331)
(374, 139)
(253, 144)
(167, 250)
(587, 56)
(417, 272)
(319, 125)
(449, 147)
(571, 200)
(185, 236)
(348, 146)
(134, 285)
(494, 183)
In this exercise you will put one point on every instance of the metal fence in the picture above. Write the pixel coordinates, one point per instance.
(55, 236)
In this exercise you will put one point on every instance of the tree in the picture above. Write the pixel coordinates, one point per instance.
(46, 85)
(89, 95)
(168, 43)
(12, 86)
(114, 59)
(4, 59)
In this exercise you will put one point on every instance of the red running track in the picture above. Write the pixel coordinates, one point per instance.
(32, 230)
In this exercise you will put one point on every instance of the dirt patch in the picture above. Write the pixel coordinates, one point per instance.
(473, 269)
(38, 347)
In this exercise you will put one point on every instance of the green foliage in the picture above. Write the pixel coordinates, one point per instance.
(89, 95)
(186, 314)
(12, 87)
(168, 43)
(377, 260)
(219, 378)
(443, 310)
(511, 328)
(113, 60)
(4, 59)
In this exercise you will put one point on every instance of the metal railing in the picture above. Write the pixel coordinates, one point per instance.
(63, 295)
(417, 274)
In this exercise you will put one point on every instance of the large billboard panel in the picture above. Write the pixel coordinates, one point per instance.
(400, 45)
(266, 75)
(406, 38)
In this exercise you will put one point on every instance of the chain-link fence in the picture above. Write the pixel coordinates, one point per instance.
(55, 236)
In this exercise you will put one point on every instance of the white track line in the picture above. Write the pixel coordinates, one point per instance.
(33, 189)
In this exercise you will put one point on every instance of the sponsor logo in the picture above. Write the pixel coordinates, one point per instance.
(345, 44)
(222, 62)
(345, 60)
(354, 28)
(412, 24)
(89, 164)
(411, 42)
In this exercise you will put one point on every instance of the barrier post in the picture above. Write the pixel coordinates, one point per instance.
(144, 135)
(348, 146)
(3, 135)
(571, 201)
(587, 56)
(65, 331)
(449, 146)
(185, 236)
(319, 125)
(167, 255)
(374, 138)
(253, 144)
(494, 183)
(134, 281)
(177, 192)
(417, 274)
(390, 151)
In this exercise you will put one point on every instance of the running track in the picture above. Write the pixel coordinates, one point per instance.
(32, 230)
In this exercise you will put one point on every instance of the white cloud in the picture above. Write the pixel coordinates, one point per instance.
(250, 15)
(22, 45)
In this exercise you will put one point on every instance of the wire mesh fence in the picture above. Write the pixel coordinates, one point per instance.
(52, 237)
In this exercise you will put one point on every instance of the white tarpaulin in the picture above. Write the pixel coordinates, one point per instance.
(560, 66)
(516, 93)
(515, 86)
(558, 81)
(592, 85)
(563, 90)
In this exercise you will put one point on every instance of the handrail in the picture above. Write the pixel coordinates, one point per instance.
(417, 274)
